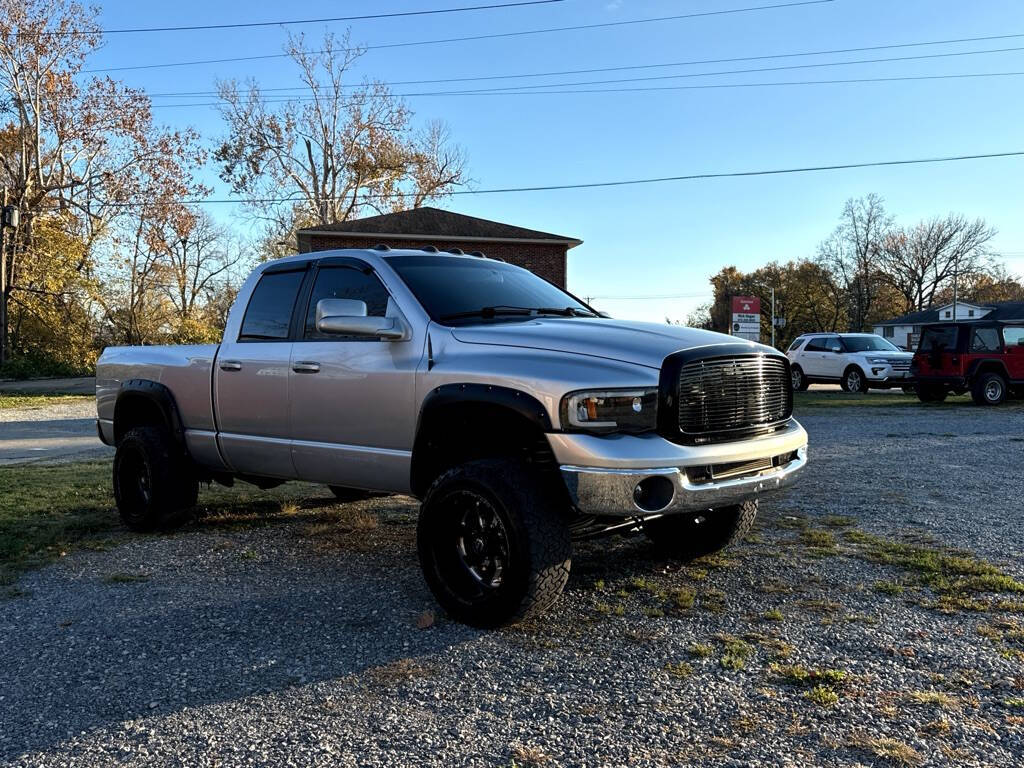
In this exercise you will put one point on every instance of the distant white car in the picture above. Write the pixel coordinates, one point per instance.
(856, 361)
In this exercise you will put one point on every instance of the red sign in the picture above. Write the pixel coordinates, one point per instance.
(746, 305)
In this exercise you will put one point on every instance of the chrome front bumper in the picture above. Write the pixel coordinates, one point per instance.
(614, 492)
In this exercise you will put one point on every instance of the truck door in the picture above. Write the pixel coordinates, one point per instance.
(251, 378)
(352, 398)
(1013, 340)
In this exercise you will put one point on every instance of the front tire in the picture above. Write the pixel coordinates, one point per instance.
(690, 535)
(492, 545)
(989, 389)
(154, 485)
(854, 381)
(798, 379)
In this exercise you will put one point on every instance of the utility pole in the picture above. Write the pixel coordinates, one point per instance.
(956, 269)
(3, 279)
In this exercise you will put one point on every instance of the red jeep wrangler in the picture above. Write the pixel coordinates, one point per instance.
(983, 358)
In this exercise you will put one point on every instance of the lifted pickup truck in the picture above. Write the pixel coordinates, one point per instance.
(519, 416)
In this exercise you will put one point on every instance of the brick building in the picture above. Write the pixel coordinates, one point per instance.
(540, 252)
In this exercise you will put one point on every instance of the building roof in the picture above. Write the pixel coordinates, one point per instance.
(436, 224)
(1000, 310)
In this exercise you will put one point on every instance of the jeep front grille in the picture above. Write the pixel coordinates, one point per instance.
(733, 395)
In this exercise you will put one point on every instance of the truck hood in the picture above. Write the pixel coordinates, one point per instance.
(638, 343)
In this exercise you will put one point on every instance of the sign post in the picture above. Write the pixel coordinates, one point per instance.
(746, 317)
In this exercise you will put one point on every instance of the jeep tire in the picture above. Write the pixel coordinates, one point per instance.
(494, 542)
(154, 484)
(988, 389)
(690, 535)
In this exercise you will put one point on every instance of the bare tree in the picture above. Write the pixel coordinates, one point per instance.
(922, 260)
(199, 257)
(326, 156)
(851, 255)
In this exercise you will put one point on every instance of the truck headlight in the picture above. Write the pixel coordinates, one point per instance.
(610, 410)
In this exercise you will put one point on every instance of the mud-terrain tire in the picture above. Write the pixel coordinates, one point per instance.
(854, 381)
(154, 485)
(989, 389)
(691, 535)
(931, 394)
(493, 542)
(798, 379)
(343, 494)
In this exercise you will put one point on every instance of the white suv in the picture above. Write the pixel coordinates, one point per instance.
(856, 361)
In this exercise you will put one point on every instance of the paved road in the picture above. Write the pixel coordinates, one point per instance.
(82, 385)
(60, 431)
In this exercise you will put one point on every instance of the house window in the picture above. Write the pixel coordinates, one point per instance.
(948, 313)
(970, 313)
(888, 332)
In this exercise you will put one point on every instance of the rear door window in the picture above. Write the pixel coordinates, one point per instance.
(796, 345)
(985, 340)
(941, 339)
(817, 344)
(1014, 337)
(269, 313)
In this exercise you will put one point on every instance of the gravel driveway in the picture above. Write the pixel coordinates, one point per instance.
(290, 645)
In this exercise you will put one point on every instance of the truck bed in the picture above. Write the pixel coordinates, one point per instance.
(186, 370)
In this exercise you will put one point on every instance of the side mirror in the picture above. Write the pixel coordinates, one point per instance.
(347, 317)
(836, 350)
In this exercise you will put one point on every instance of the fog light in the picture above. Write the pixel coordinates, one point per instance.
(653, 494)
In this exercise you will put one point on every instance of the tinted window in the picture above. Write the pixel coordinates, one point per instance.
(868, 344)
(345, 283)
(449, 285)
(1014, 337)
(796, 345)
(985, 340)
(270, 309)
(939, 339)
(817, 344)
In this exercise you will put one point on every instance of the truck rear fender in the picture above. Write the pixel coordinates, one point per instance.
(141, 402)
(465, 422)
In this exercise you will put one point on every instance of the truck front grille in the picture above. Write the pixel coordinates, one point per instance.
(736, 395)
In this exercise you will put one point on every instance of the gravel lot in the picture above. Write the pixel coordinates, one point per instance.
(291, 645)
(50, 432)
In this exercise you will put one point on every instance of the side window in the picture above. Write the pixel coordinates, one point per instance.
(985, 340)
(832, 342)
(888, 332)
(270, 309)
(817, 344)
(345, 283)
(1013, 336)
(796, 345)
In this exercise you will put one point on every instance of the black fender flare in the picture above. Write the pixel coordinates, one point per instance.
(976, 365)
(156, 395)
(522, 404)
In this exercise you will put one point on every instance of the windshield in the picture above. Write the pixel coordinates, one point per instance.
(868, 344)
(452, 285)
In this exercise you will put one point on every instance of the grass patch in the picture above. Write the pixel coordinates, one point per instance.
(10, 401)
(680, 669)
(838, 521)
(888, 587)
(700, 650)
(934, 699)
(713, 600)
(823, 696)
(893, 750)
(773, 615)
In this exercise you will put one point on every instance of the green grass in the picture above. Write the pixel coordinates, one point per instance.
(47, 509)
(679, 669)
(16, 400)
(823, 696)
(888, 400)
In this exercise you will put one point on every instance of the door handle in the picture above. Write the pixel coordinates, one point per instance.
(230, 365)
(306, 366)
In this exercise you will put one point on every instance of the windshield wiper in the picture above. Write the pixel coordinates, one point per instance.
(489, 312)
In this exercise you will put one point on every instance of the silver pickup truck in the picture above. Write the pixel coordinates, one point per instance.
(519, 416)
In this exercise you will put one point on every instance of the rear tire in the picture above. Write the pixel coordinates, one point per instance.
(154, 485)
(798, 379)
(931, 394)
(989, 389)
(493, 546)
(691, 535)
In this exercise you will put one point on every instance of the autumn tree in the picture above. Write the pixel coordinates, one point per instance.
(333, 153)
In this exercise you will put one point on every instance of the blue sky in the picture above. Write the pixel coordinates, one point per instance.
(661, 239)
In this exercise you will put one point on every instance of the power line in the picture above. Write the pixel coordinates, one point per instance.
(294, 22)
(643, 89)
(632, 182)
(653, 296)
(471, 38)
(814, 65)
